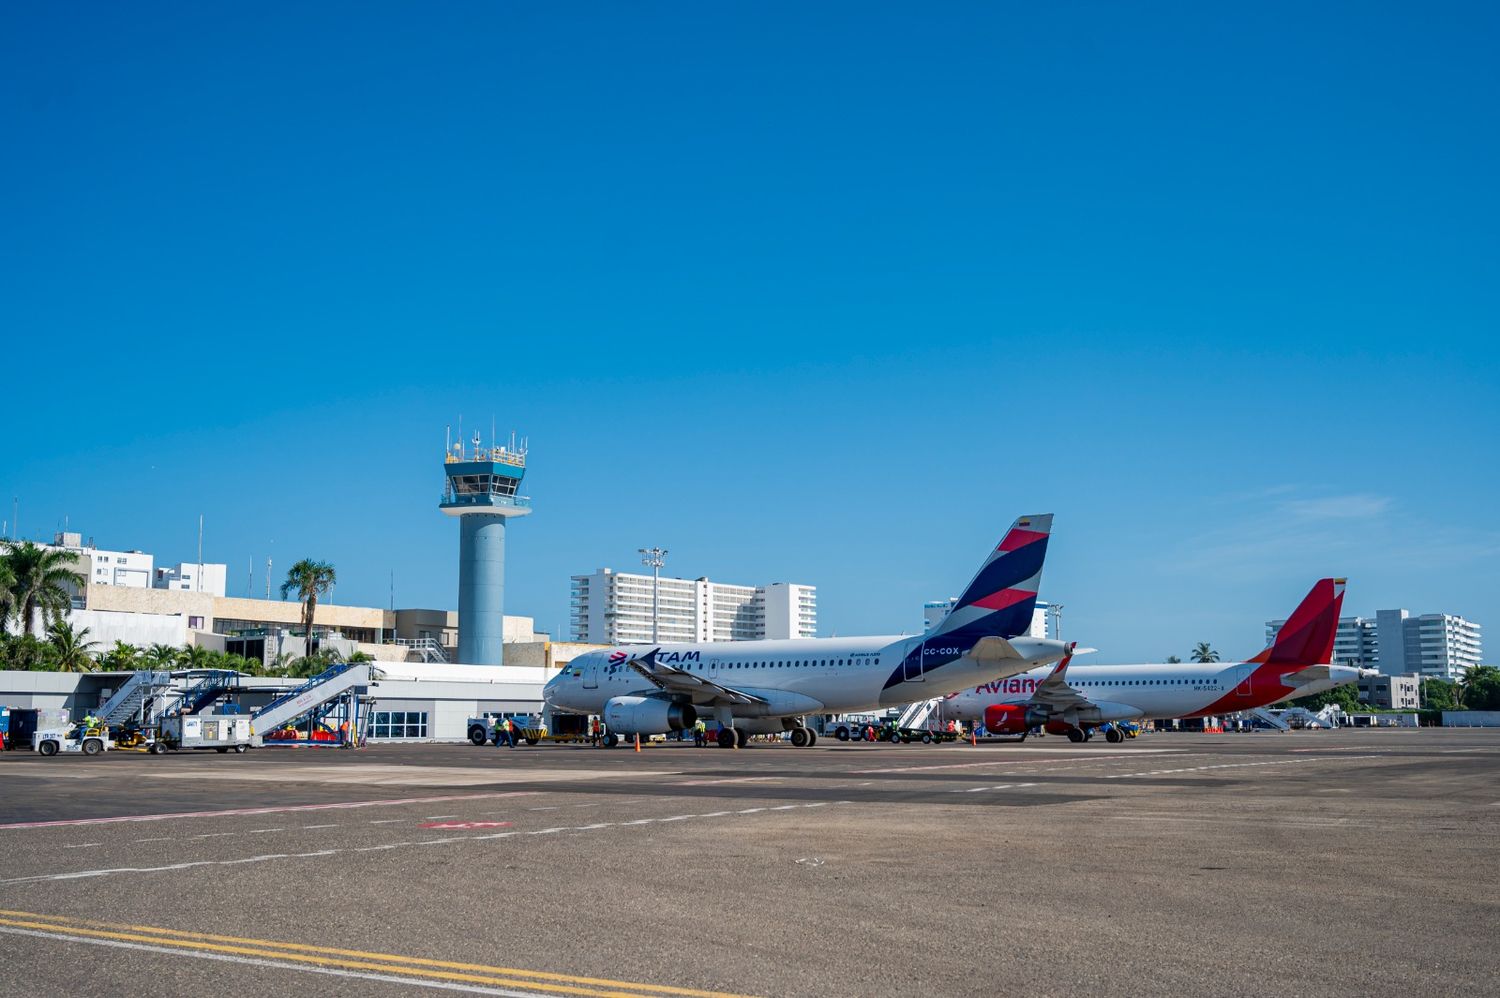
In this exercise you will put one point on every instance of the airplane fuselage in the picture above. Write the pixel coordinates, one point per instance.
(1157, 691)
(794, 677)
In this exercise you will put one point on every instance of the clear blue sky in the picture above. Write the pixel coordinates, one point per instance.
(825, 293)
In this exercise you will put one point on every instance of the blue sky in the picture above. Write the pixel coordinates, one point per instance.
(825, 294)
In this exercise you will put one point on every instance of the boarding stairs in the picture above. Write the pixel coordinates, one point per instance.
(328, 685)
(916, 715)
(204, 688)
(1270, 718)
(428, 648)
(125, 704)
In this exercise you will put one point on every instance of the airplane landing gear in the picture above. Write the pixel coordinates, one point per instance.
(804, 737)
(1113, 735)
(1075, 736)
(742, 737)
(726, 738)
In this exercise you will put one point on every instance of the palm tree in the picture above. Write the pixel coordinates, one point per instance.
(7, 593)
(1474, 680)
(278, 664)
(1204, 653)
(41, 578)
(71, 647)
(161, 656)
(123, 657)
(1173, 660)
(25, 653)
(195, 657)
(308, 579)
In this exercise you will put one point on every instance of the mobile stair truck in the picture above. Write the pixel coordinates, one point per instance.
(343, 690)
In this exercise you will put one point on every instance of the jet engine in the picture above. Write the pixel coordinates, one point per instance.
(1011, 718)
(647, 715)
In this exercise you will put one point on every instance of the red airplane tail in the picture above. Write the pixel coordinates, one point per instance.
(1307, 636)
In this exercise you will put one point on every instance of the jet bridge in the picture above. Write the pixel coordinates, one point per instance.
(341, 680)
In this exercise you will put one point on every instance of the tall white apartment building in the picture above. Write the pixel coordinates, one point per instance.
(1438, 645)
(933, 612)
(1354, 643)
(614, 608)
(191, 577)
(106, 568)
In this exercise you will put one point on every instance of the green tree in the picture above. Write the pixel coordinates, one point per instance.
(1203, 652)
(123, 657)
(1346, 697)
(1173, 660)
(160, 656)
(42, 583)
(309, 579)
(72, 648)
(28, 654)
(1439, 694)
(1480, 688)
(7, 593)
(195, 657)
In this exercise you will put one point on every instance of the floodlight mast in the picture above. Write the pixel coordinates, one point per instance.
(654, 558)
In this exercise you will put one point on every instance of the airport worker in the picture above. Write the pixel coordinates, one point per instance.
(594, 732)
(512, 732)
(502, 734)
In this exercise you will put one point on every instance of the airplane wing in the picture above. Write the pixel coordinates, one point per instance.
(673, 680)
(1054, 691)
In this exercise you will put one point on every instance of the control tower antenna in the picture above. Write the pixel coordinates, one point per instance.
(481, 489)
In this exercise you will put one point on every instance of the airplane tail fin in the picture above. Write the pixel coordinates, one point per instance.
(1001, 598)
(1307, 636)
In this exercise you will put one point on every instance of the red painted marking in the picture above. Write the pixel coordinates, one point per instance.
(465, 824)
(1003, 599)
(1019, 538)
(262, 810)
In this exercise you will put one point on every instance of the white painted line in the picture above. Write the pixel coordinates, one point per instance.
(308, 827)
(257, 831)
(236, 812)
(192, 864)
(439, 817)
(84, 845)
(277, 965)
(387, 821)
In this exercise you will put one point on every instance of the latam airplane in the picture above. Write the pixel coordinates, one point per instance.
(1074, 701)
(765, 687)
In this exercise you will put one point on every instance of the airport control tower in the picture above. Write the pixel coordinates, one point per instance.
(481, 490)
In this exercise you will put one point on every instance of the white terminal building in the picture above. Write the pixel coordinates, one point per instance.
(1436, 645)
(615, 608)
(1043, 618)
(138, 569)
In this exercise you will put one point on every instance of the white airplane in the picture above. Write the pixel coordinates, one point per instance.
(764, 687)
(1074, 701)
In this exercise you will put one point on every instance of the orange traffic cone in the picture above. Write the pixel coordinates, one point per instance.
(973, 738)
(637, 741)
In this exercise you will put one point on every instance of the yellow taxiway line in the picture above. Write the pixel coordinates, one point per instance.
(346, 959)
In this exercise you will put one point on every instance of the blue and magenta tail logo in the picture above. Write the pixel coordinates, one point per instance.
(999, 602)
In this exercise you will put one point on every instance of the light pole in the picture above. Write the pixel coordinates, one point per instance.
(1056, 610)
(654, 559)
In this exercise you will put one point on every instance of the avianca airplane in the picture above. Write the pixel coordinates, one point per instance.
(1074, 701)
(763, 687)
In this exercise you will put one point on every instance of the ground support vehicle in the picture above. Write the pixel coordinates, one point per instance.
(221, 732)
(527, 729)
(924, 735)
(89, 741)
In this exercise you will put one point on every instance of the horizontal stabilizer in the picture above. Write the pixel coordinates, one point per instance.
(1311, 674)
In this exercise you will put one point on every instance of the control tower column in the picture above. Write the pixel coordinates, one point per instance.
(480, 489)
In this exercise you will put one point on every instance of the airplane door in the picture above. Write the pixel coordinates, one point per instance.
(1243, 682)
(911, 666)
(591, 675)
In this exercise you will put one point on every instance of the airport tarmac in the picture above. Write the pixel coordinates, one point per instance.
(1309, 863)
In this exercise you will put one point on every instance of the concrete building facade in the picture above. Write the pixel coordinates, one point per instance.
(192, 577)
(615, 608)
(1435, 645)
(1391, 692)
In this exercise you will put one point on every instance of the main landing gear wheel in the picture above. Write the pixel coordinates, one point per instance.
(741, 737)
(611, 740)
(726, 738)
(1074, 735)
(812, 737)
(1112, 736)
(799, 737)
